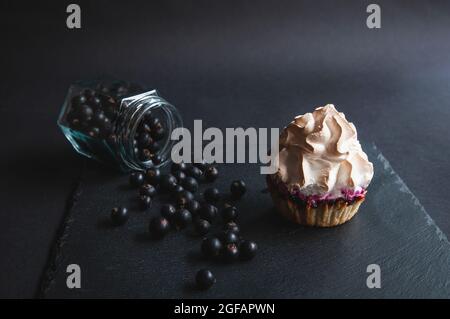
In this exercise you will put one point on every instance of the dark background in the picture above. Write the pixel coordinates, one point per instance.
(270, 59)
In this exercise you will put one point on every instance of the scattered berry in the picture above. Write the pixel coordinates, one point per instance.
(212, 195)
(208, 212)
(147, 190)
(119, 215)
(194, 172)
(176, 189)
(229, 214)
(167, 182)
(190, 184)
(204, 279)
(193, 206)
(202, 165)
(238, 189)
(231, 226)
(202, 226)
(158, 227)
(176, 167)
(211, 247)
(182, 218)
(152, 176)
(180, 176)
(136, 179)
(182, 199)
(230, 253)
(168, 211)
(211, 174)
(229, 237)
(145, 202)
(247, 249)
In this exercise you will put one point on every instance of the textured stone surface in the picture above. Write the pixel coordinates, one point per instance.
(392, 229)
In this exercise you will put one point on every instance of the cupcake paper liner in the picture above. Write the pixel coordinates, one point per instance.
(324, 215)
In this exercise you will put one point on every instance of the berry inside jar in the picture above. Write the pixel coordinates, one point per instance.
(119, 122)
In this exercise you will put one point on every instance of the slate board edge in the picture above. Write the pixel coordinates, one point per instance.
(56, 250)
(404, 188)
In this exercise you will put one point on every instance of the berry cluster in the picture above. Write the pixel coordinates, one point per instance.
(147, 140)
(92, 113)
(186, 209)
(95, 112)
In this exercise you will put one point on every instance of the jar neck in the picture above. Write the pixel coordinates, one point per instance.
(132, 111)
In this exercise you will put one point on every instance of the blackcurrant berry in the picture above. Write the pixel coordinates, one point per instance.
(158, 133)
(175, 167)
(190, 184)
(204, 279)
(136, 179)
(180, 176)
(182, 199)
(147, 190)
(211, 247)
(228, 237)
(208, 212)
(176, 189)
(194, 172)
(231, 226)
(88, 93)
(153, 176)
(182, 218)
(99, 117)
(85, 113)
(145, 202)
(159, 227)
(202, 226)
(247, 249)
(78, 100)
(154, 147)
(212, 195)
(95, 102)
(201, 165)
(229, 214)
(145, 155)
(167, 182)
(143, 128)
(157, 159)
(94, 132)
(230, 253)
(193, 206)
(211, 174)
(153, 121)
(106, 126)
(168, 211)
(144, 140)
(238, 189)
(119, 215)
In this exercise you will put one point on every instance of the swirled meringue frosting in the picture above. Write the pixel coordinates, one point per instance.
(320, 156)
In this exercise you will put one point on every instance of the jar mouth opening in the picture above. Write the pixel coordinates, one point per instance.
(148, 105)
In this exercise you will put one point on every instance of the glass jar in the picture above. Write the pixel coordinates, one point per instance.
(119, 123)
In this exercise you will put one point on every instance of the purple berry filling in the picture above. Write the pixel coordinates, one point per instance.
(348, 195)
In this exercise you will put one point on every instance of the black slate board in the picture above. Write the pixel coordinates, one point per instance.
(392, 229)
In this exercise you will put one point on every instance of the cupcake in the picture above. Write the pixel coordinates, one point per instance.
(323, 173)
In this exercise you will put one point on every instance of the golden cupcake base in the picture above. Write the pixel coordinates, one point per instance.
(324, 215)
